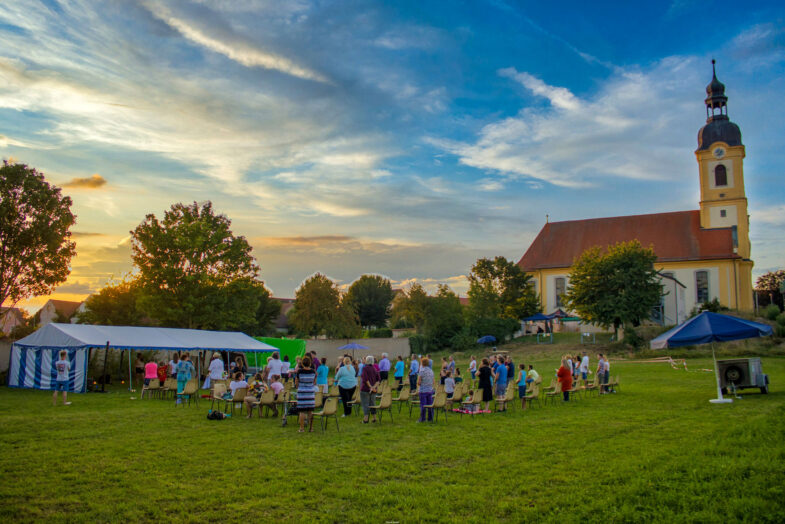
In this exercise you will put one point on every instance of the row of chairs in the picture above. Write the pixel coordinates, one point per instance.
(155, 389)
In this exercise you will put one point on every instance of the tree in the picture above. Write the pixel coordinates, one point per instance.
(616, 288)
(320, 310)
(195, 273)
(444, 316)
(370, 296)
(114, 305)
(500, 288)
(35, 237)
(770, 283)
(411, 308)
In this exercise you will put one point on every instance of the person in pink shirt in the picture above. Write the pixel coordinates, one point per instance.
(150, 372)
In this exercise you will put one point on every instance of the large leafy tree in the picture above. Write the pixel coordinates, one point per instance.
(770, 283)
(319, 309)
(35, 237)
(193, 272)
(114, 305)
(499, 288)
(444, 316)
(410, 308)
(614, 288)
(371, 296)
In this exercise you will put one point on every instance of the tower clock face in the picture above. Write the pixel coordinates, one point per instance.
(719, 152)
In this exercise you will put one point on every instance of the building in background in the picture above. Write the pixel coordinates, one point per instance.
(703, 254)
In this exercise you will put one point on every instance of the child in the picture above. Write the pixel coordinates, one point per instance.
(63, 367)
(237, 383)
(255, 390)
(522, 385)
(470, 408)
(449, 384)
(277, 387)
(163, 372)
(321, 376)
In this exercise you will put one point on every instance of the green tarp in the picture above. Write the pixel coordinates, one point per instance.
(287, 347)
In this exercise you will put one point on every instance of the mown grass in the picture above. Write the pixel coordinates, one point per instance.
(656, 451)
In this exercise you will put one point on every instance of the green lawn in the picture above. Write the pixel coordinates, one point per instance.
(656, 451)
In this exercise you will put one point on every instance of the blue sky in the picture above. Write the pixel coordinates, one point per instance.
(406, 138)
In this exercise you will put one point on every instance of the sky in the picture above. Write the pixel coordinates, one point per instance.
(406, 139)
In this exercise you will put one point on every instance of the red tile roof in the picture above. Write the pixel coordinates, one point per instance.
(674, 236)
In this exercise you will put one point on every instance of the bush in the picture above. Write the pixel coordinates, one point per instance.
(418, 344)
(501, 328)
(463, 341)
(781, 319)
(633, 338)
(380, 333)
(779, 331)
(772, 311)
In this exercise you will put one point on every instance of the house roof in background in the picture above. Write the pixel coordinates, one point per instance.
(675, 236)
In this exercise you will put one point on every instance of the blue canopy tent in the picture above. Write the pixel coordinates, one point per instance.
(539, 317)
(487, 339)
(33, 357)
(709, 328)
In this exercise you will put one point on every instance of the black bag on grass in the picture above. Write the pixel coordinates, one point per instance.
(216, 415)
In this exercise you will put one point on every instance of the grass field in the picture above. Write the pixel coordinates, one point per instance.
(656, 451)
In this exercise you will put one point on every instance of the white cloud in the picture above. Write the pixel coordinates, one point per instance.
(233, 47)
(634, 126)
(770, 215)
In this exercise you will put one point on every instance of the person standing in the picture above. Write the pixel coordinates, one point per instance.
(414, 370)
(565, 378)
(449, 384)
(584, 368)
(601, 371)
(306, 391)
(473, 367)
(510, 369)
(215, 371)
(451, 365)
(63, 367)
(522, 385)
(443, 371)
(425, 384)
(369, 383)
(173, 365)
(484, 383)
(607, 379)
(274, 366)
(321, 376)
(139, 370)
(501, 384)
(184, 371)
(399, 368)
(285, 368)
(346, 378)
(384, 367)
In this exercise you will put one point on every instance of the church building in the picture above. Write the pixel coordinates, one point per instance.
(702, 254)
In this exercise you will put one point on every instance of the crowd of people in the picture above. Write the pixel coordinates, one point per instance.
(310, 374)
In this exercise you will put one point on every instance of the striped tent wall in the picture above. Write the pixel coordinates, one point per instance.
(35, 368)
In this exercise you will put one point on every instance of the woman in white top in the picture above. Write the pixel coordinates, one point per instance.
(215, 370)
(273, 367)
(237, 383)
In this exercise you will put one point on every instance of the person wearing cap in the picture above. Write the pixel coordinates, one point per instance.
(215, 370)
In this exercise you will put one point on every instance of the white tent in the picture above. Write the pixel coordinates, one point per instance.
(33, 357)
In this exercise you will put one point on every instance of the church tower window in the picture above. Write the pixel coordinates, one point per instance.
(720, 176)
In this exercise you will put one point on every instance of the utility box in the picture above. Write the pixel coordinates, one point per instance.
(742, 373)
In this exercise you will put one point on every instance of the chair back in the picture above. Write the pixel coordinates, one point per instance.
(386, 401)
(330, 407)
(318, 398)
(557, 388)
(477, 396)
(440, 400)
(284, 397)
(239, 394)
(538, 380)
(170, 383)
(219, 390)
(154, 384)
(191, 387)
(457, 393)
(333, 391)
(267, 398)
(404, 394)
(509, 395)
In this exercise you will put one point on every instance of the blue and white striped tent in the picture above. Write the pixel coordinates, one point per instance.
(33, 357)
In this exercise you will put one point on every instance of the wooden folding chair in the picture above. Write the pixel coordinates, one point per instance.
(439, 403)
(403, 396)
(384, 404)
(530, 397)
(330, 410)
(553, 394)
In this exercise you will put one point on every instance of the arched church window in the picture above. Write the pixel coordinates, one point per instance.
(720, 176)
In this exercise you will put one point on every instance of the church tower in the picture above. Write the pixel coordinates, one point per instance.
(723, 203)
(721, 165)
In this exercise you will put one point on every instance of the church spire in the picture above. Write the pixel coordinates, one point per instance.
(716, 101)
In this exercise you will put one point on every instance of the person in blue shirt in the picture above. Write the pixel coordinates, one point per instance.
(399, 367)
(414, 370)
(501, 385)
(321, 376)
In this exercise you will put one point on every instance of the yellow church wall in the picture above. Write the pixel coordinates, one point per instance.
(727, 279)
